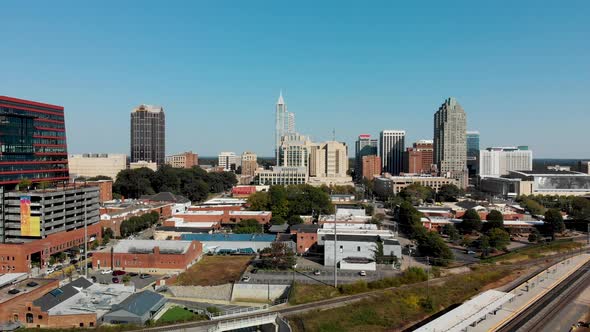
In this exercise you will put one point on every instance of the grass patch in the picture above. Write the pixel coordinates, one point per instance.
(394, 309)
(214, 270)
(535, 251)
(305, 293)
(179, 314)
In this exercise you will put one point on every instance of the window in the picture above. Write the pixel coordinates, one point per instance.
(40, 317)
(81, 324)
(29, 318)
(358, 248)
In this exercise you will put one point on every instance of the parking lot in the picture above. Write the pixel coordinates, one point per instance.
(134, 278)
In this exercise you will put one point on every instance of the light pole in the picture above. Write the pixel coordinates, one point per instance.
(335, 249)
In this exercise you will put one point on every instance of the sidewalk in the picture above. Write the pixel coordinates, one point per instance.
(532, 290)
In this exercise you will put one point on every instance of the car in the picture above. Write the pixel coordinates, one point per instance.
(58, 268)
(89, 255)
(118, 273)
(245, 279)
(106, 271)
(73, 261)
(115, 280)
(50, 270)
(144, 276)
(362, 273)
(470, 252)
(317, 272)
(254, 271)
(133, 274)
(93, 278)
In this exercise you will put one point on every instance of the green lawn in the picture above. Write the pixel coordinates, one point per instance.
(179, 314)
(536, 251)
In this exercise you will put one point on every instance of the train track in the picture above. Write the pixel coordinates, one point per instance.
(568, 289)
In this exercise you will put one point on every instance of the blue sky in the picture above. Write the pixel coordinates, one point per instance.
(521, 69)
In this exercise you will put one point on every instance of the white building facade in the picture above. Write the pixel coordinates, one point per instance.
(499, 161)
(391, 150)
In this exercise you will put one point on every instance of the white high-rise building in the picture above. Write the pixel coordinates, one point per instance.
(294, 150)
(284, 125)
(227, 159)
(498, 161)
(391, 150)
(450, 141)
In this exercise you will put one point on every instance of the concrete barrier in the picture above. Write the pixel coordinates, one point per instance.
(261, 292)
(218, 293)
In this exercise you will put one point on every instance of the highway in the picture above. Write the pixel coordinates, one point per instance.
(538, 315)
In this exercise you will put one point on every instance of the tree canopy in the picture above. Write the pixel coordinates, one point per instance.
(499, 238)
(449, 193)
(471, 222)
(248, 226)
(554, 222)
(193, 183)
(417, 192)
(278, 256)
(494, 219)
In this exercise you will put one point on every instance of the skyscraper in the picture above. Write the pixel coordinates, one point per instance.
(33, 142)
(249, 163)
(148, 140)
(391, 150)
(228, 160)
(364, 146)
(472, 152)
(418, 159)
(499, 161)
(450, 143)
(284, 124)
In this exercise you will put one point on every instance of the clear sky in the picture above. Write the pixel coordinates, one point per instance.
(521, 69)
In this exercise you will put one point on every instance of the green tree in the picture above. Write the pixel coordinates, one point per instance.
(99, 178)
(294, 220)
(449, 193)
(554, 222)
(417, 192)
(499, 238)
(532, 206)
(495, 219)
(484, 245)
(534, 236)
(277, 256)
(451, 231)
(259, 201)
(471, 222)
(580, 208)
(278, 201)
(133, 183)
(248, 226)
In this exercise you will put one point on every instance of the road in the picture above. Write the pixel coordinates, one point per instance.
(326, 276)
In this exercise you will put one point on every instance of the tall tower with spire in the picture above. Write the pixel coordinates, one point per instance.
(285, 124)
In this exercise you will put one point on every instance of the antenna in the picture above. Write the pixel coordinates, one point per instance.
(334, 134)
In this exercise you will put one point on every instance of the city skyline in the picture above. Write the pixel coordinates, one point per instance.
(338, 71)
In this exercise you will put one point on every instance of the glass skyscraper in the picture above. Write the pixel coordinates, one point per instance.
(473, 153)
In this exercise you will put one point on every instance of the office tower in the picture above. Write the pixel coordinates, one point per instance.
(33, 142)
(94, 164)
(328, 159)
(418, 159)
(148, 127)
(391, 150)
(371, 167)
(450, 143)
(228, 160)
(183, 160)
(294, 151)
(472, 152)
(284, 125)
(364, 146)
(498, 161)
(249, 163)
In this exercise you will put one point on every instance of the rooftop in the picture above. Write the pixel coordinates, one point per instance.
(165, 197)
(229, 237)
(24, 286)
(96, 298)
(140, 303)
(550, 172)
(58, 295)
(305, 228)
(147, 246)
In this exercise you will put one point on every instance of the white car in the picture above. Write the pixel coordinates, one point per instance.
(363, 274)
(106, 271)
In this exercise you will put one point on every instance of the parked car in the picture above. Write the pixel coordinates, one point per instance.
(144, 276)
(93, 278)
(106, 271)
(470, 252)
(118, 273)
(317, 272)
(58, 268)
(115, 280)
(245, 279)
(254, 271)
(362, 273)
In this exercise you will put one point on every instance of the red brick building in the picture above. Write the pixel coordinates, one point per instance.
(371, 166)
(149, 256)
(306, 236)
(111, 216)
(225, 215)
(19, 257)
(105, 188)
(18, 307)
(419, 158)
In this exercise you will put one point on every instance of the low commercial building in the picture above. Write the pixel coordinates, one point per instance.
(561, 183)
(306, 237)
(112, 214)
(94, 164)
(143, 164)
(246, 243)
(149, 256)
(16, 292)
(225, 217)
(357, 251)
(137, 309)
(282, 175)
(386, 186)
(183, 160)
(180, 203)
(246, 191)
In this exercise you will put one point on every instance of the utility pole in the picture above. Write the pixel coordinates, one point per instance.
(335, 250)
(427, 277)
(85, 241)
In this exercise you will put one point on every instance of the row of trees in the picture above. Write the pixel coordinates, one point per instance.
(288, 203)
(417, 193)
(578, 208)
(138, 224)
(428, 243)
(193, 183)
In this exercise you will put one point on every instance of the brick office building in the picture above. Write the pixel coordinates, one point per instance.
(306, 236)
(16, 306)
(371, 167)
(419, 158)
(226, 216)
(149, 256)
(113, 215)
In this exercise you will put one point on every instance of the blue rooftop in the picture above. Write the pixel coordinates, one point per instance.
(229, 237)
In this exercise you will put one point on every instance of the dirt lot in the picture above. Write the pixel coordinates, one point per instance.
(214, 270)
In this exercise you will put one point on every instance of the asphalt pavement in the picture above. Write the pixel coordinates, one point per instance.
(326, 276)
(136, 280)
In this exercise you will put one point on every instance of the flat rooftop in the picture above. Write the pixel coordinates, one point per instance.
(97, 299)
(229, 237)
(24, 287)
(147, 246)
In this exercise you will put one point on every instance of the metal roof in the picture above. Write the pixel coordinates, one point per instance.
(229, 237)
(140, 303)
(61, 294)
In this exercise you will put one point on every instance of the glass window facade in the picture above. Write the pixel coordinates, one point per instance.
(33, 142)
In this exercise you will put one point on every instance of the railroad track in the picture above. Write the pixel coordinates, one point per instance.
(570, 288)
